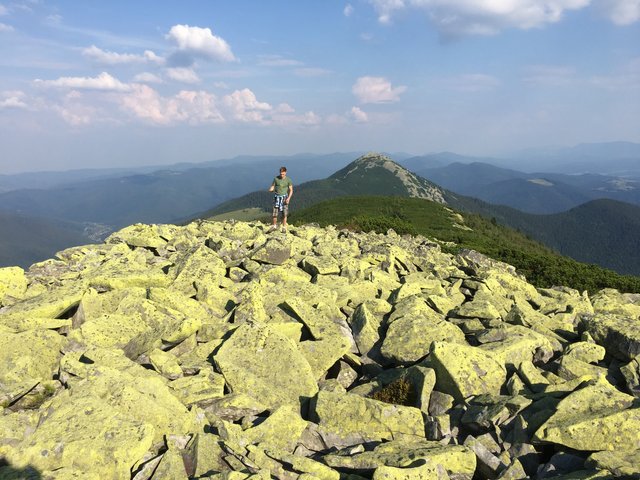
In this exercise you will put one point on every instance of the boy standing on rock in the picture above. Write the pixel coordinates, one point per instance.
(283, 188)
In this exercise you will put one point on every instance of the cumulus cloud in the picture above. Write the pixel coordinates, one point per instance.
(476, 17)
(621, 12)
(358, 115)
(13, 99)
(245, 107)
(5, 28)
(147, 77)
(198, 42)
(194, 107)
(103, 82)
(183, 75)
(376, 90)
(112, 58)
(348, 10)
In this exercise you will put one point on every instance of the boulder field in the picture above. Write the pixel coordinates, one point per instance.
(218, 351)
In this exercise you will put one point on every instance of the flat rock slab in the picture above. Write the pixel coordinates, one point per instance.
(347, 419)
(260, 362)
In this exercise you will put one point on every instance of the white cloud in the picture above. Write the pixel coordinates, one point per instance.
(621, 12)
(486, 17)
(6, 28)
(147, 77)
(625, 78)
(113, 58)
(278, 61)
(245, 107)
(195, 107)
(549, 75)
(284, 108)
(76, 115)
(348, 10)
(376, 90)
(12, 100)
(3, 10)
(200, 42)
(184, 75)
(103, 82)
(358, 115)
(221, 85)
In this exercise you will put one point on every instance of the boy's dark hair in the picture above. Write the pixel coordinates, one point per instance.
(283, 169)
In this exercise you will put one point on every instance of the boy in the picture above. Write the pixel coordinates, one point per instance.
(282, 186)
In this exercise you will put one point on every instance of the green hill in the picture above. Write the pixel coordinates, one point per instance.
(369, 174)
(542, 266)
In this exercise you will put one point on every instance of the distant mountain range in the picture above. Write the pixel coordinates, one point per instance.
(103, 200)
(531, 192)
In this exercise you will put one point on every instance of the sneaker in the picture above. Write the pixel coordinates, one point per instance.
(284, 230)
(272, 228)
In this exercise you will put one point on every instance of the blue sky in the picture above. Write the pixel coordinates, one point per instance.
(98, 84)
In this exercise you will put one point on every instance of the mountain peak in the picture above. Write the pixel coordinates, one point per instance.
(378, 168)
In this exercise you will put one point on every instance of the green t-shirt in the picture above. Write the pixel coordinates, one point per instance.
(282, 185)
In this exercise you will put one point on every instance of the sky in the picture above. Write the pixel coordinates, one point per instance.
(94, 84)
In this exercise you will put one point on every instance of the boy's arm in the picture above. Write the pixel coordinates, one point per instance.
(290, 194)
(272, 187)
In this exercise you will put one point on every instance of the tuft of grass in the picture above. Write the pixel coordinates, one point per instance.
(398, 392)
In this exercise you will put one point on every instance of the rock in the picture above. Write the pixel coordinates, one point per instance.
(631, 374)
(200, 263)
(347, 419)
(618, 463)
(171, 466)
(462, 371)
(87, 434)
(323, 265)
(620, 335)
(424, 471)
(273, 252)
(596, 417)
(519, 345)
(13, 285)
(165, 363)
(457, 461)
(364, 326)
(53, 303)
(410, 335)
(201, 389)
(586, 352)
(260, 362)
(489, 466)
(27, 359)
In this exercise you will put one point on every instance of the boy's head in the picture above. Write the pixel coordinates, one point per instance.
(283, 171)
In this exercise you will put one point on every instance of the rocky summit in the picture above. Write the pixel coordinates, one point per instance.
(219, 351)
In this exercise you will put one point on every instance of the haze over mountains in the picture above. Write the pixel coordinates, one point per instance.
(72, 205)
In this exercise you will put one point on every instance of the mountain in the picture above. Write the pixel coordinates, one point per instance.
(370, 174)
(541, 192)
(610, 158)
(162, 195)
(375, 174)
(183, 352)
(604, 231)
(25, 240)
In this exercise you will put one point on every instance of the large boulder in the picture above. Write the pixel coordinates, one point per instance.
(264, 364)
(596, 417)
(345, 419)
(463, 370)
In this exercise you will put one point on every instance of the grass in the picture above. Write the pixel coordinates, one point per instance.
(540, 265)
